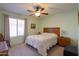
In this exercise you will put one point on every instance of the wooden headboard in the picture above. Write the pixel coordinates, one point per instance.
(55, 30)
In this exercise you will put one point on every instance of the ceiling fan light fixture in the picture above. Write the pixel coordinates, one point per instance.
(37, 14)
(38, 9)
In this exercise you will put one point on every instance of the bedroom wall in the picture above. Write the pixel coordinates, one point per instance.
(32, 20)
(1, 21)
(67, 21)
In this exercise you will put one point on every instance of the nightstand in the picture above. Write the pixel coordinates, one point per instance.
(64, 41)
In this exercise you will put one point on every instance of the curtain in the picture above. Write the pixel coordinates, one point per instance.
(6, 29)
(25, 30)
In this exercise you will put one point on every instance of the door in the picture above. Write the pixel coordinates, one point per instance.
(16, 27)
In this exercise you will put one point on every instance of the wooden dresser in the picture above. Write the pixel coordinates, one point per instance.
(64, 41)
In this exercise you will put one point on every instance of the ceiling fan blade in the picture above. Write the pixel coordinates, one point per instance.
(45, 13)
(42, 9)
(30, 11)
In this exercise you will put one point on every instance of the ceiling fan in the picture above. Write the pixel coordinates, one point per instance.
(38, 10)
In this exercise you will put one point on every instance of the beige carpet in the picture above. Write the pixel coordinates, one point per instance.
(25, 50)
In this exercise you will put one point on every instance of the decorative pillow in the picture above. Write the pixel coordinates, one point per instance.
(3, 46)
(49, 34)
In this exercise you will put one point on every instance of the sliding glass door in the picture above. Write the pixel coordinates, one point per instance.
(13, 27)
(16, 27)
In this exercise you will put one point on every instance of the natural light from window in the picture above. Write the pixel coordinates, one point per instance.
(16, 27)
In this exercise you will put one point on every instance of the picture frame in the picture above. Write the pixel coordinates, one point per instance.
(33, 26)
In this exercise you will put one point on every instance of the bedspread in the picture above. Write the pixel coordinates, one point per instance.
(42, 42)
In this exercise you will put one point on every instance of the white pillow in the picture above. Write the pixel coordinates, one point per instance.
(50, 34)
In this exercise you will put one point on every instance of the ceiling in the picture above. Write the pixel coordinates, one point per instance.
(52, 8)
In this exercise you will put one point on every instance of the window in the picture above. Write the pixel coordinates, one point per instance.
(20, 27)
(16, 27)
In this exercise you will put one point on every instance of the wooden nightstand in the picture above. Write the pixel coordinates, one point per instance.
(63, 41)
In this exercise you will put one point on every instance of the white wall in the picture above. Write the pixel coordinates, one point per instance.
(67, 21)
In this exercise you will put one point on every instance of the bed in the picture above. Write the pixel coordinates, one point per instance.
(44, 41)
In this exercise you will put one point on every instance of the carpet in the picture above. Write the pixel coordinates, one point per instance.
(25, 50)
